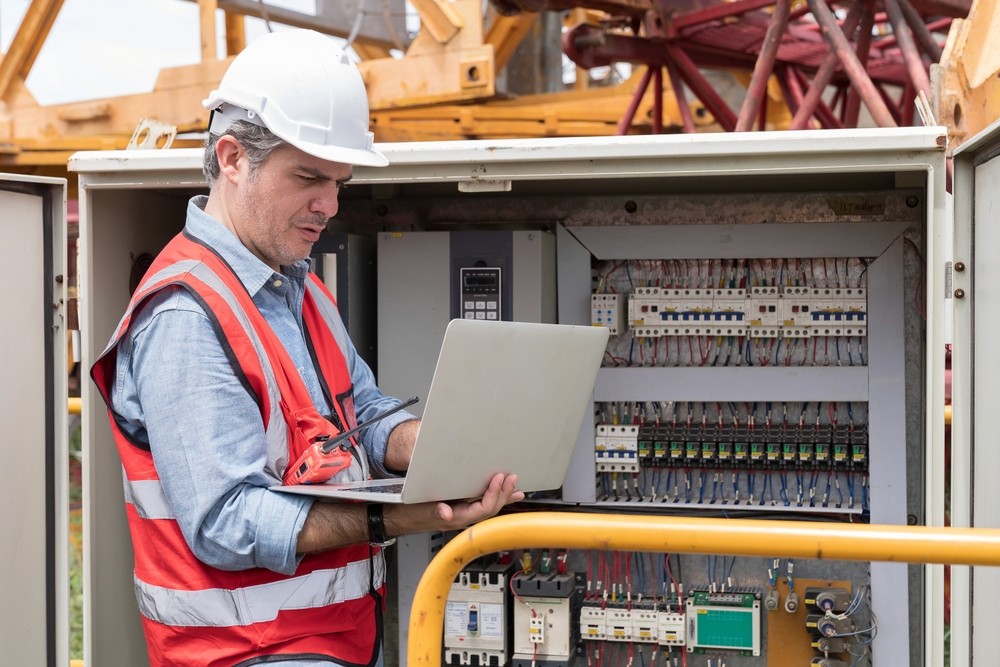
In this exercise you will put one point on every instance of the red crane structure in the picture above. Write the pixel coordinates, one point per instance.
(829, 57)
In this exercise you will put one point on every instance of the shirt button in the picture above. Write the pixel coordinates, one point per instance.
(277, 283)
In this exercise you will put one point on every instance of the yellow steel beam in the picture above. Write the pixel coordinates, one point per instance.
(439, 19)
(735, 537)
(236, 33)
(206, 11)
(27, 42)
(505, 33)
(370, 50)
(968, 81)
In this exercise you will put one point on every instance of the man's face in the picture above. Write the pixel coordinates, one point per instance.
(281, 210)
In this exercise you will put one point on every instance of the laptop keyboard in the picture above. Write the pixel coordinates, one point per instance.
(382, 488)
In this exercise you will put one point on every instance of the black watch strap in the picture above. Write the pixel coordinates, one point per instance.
(376, 527)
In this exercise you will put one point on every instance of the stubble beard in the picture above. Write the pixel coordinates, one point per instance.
(266, 230)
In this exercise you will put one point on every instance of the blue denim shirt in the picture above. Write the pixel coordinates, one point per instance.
(175, 389)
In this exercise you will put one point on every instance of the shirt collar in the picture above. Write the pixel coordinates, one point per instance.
(250, 270)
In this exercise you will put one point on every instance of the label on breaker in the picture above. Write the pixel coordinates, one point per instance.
(473, 619)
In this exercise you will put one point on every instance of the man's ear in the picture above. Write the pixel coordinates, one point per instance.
(229, 152)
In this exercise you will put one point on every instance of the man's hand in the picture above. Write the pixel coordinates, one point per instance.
(403, 519)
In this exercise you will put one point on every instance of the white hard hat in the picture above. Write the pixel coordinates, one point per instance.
(300, 86)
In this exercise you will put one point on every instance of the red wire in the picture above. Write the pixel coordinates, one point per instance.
(589, 578)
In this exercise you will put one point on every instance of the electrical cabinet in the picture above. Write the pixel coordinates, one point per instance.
(34, 477)
(774, 300)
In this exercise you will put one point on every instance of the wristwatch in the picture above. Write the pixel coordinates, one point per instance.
(376, 527)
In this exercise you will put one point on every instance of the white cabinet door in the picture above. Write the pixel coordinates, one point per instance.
(34, 628)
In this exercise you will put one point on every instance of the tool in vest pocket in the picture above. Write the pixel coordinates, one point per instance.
(327, 456)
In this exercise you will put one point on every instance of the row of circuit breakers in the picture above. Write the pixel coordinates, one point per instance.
(758, 312)
(499, 614)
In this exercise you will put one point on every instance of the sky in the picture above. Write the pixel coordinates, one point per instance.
(105, 48)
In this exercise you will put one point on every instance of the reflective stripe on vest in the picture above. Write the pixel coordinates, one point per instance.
(330, 315)
(218, 607)
(147, 497)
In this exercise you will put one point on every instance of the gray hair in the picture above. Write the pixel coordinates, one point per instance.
(258, 143)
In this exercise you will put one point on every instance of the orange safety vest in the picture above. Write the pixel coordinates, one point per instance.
(195, 614)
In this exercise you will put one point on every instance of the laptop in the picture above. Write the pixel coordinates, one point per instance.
(506, 397)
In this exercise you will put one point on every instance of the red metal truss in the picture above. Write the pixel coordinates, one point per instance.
(875, 52)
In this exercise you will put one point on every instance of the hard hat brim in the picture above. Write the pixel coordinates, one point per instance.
(354, 156)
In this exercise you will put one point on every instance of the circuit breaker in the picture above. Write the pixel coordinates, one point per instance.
(546, 607)
(477, 623)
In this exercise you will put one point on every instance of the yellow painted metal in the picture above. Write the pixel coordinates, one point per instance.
(206, 18)
(236, 33)
(658, 534)
(75, 405)
(28, 40)
(506, 32)
(968, 77)
(439, 18)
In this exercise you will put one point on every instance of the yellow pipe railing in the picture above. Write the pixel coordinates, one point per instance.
(734, 537)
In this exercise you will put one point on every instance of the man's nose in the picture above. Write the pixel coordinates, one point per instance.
(327, 202)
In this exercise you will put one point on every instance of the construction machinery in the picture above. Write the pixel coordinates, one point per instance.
(689, 65)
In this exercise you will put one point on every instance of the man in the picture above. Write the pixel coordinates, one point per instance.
(230, 361)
